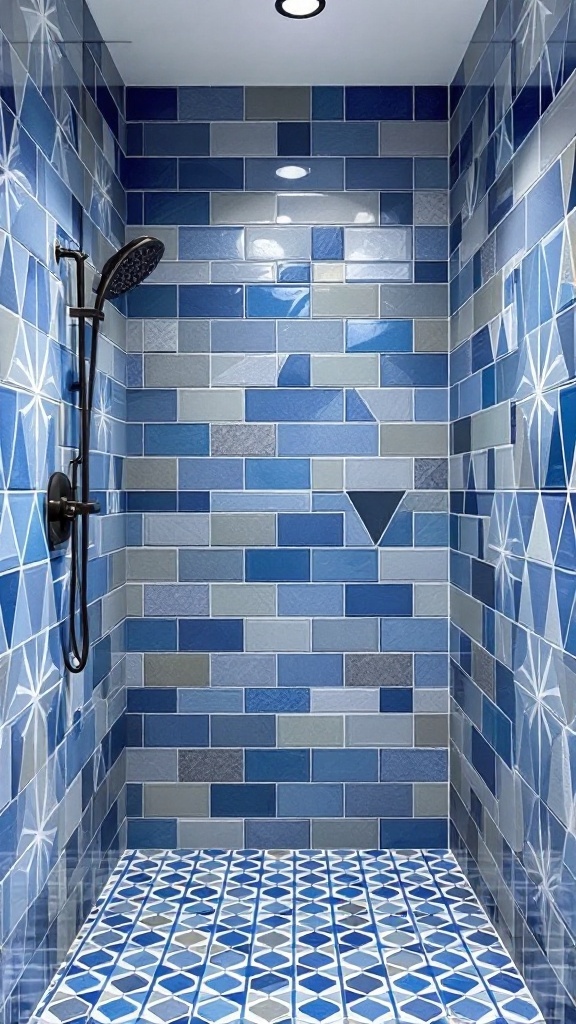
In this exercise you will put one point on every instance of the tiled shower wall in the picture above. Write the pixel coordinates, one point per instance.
(513, 400)
(61, 739)
(287, 485)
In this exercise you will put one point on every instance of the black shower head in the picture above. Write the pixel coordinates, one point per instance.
(128, 267)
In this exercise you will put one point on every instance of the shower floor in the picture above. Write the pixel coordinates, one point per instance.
(267, 937)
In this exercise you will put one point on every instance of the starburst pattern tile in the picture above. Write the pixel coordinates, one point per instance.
(270, 937)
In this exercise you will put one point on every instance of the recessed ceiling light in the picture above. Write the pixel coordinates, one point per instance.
(300, 8)
(292, 172)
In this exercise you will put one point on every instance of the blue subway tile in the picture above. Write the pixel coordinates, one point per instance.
(176, 208)
(431, 272)
(322, 174)
(150, 635)
(380, 599)
(295, 372)
(431, 243)
(200, 243)
(146, 404)
(396, 699)
(310, 530)
(396, 208)
(277, 700)
(243, 731)
(430, 172)
(294, 273)
(327, 243)
(207, 301)
(327, 103)
(378, 801)
(415, 833)
(151, 104)
(211, 103)
(277, 302)
(345, 765)
(413, 370)
(276, 565)
(310, 600)
(313, 800)
(345, 138)
(379, 335)
(176, 139)
(210, 635)
(279, 405)
(414, 635)
(294, 138)
(210, 701)
(153, 300)
(414, 765)
(379, 103)
(310, 670)
(382, 173)
(430, 670)
(544, 205)
(431, 103)
(277, 765)
(212, 174)
(344, 565)
(211, 474)
(237, 800)
(336, 439)
(151, 699)
(281, 834)
(175, 730)
(150, 172)
(176, 439)
(277, 474)
(152, 834)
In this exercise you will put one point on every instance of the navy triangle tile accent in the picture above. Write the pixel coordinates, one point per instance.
(376, 509)
(9, 583)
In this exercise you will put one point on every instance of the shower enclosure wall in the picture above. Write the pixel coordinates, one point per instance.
(275, 490)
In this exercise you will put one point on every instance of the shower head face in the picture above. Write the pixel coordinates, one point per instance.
(128, 267)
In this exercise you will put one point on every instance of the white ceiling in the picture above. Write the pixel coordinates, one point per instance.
(245, 42)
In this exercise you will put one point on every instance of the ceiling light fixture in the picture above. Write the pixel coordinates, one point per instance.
(300, 8)
(292, 172)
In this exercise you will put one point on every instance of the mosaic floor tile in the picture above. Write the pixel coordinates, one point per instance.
(253, 937)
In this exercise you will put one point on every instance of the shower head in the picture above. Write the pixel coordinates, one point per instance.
(128, 267)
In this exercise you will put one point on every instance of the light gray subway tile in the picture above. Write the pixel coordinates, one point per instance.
(211, 566)
(466, 613)
(345, 300)
(176, 599)
(431, 335)
(390, 405)
(173, 529)
(413, 300)
(488, 301)
(210, 406)
(243, 336)
(181, 272)
(134, 603)
(379, 670)
(176, 800)
(176, 669)
(142, 474)
(328, 474)
(379, 731)
(306, 731)
(242, 138)
(193, 336)
(492, 427)
(211, 835)
(278, 103)
(242, 273)
(277, 635)
(203, 765)
(414, 439)
(243, 599)
(246, 439)
(431, 799)
(431, 600)
(379, 474)
(160, 336)
(330, 208)
(411, 565)
(243, 530)
(310, 336)
(345, 371)
(151, 765)
(244, 371)
(414, 138)
(280, 243)
(346, 701)
(169, 236)
(345, 833)
(366, 244)
(243, 208)
(431, 730)
(173, 371)
(431, 208)
(145, 564)
(340, 635)
(243, 669)
(434, 701)
(378, 272)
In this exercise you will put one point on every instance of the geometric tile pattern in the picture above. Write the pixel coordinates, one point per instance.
(273, 937)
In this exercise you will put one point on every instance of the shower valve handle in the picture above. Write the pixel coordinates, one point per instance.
(69, 509)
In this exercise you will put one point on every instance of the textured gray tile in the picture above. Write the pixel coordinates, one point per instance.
(243, 599)
(327, 474)
(211, 835)
(306, 731)
(330, 208)
(426, 501)
(142, 474)
(379, 670)
(211, 406)
(345, 833)
(243, 208)
(278, 243)
(177, 669)
(344, 300)
(431, 208)
(243, 530)
(413, 300)
(248, 439)
(483, 670)
(144, 564)
(211, 765)
(431, 474)
(173, 371)
(176, 800)
(431, 599)
(414, 439)
(179, 600)
(240, 138)
(488, 301)
(341, 635)
(151, 765)
(346, 701)
(211, 565)
(379, 474)
(244, 371)
(160, 336)
(243, 670)
(431, 799)
(193, 336)
(347, 371)
(431, 730)
(277, 635)
(431, 335)
(176, 529)
(379, 730)
(278, 103)
(432, 702)
(414, 138)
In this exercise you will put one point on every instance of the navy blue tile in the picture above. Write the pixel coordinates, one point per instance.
(210, 300)
(176, 208)
(241, 801)
(212, 103)
(176, 139)
(280, 302)
(150, 635)
(417, 370)
(431, 103)
(327, 103)
(154, 300)
(382, 173)
(150, 172)
(389, 599)
(415, 833)
(279, 700)
(153, 834)
(327, 243)
(378, 801)
(310, 530)
(277, 765)
(150, 699)
(151, 104)
(294, 138)
(294, 273)
(379, 103)
(396, 699)
(396, 208)
(277, 566)
(176, 439)
(430, 172)
(431, 273)
(414, 765)
(176, 730)
(243, 730)
(264, 174)
(210, 635)
(483, 759)
(144, 404)
(346, 138)
(216, 174)
(152, 501)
